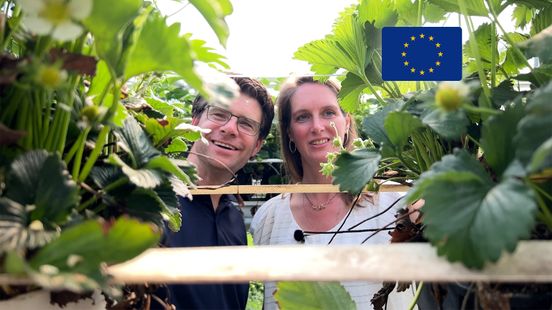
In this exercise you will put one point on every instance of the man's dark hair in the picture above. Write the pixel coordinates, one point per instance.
(253, 89)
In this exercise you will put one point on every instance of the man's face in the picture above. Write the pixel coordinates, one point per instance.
(229, 143)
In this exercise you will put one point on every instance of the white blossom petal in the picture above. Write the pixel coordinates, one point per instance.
(31, 7)
(80, 9)
(37, 25)
(67, 31)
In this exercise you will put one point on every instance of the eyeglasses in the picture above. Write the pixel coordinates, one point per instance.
(222, 116)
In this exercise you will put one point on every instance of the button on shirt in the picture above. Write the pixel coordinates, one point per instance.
(202, 225)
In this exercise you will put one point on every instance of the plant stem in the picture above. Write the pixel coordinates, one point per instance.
(493, 60)
(481, 110)
(119, 182)
(546, 216)
(100, 142)
(475, 51)
(78, 157)
(416, 296)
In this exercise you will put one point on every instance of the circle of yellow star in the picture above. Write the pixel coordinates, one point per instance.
(422, 35)
(412, 38)
(405, 45)
(422, 72)
(403, 54)
(440, 54)
(430, 38)
(413, 70)
(438, 45)
(406, 63)
(438, 63)
(431, 70)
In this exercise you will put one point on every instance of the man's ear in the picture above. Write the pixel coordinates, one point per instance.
(257, 148)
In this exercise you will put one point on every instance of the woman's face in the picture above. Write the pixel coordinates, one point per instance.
(313, 108)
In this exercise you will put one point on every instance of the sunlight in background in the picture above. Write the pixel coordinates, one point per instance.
(264, 34)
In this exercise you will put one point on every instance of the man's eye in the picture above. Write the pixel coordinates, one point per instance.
(247, 125)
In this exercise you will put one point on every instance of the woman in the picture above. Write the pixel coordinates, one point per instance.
(310, 118)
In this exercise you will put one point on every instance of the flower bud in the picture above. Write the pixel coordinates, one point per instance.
(50, 76)
(451, 96)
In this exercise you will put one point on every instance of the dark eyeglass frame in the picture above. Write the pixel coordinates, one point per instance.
(256, 126)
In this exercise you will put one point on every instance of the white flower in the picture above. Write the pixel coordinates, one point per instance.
(55, 17)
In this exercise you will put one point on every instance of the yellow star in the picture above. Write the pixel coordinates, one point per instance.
(430, 38)
(422, 35)
(412, 38)
(422, 72)
(440, 54)
(438, 63)
(405, 45)
(406, 63)
(403, 54)
(430, 70)
(413, 70)
(438, 45)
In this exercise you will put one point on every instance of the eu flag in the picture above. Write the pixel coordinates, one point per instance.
(422, 53)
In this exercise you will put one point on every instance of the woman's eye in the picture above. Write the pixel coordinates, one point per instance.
(301, 118)
(329, 113)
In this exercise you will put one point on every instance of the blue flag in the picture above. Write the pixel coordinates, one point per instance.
(422, 53)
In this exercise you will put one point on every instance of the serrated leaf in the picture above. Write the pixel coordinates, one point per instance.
(460, 161)
(160, 105)
(41, 179)
(542, 20)
(497, 137)
(483, 41)
(103, 176)
(542, 158)
(522, 15)
(351, 90)
(538, 76)
(354, 170)
(313, 295)
(540, 45)
(325, 54)
(536, 126)
(145, 178)
(449, 125)
(513, 61)
(464, 223)
(207, 54)
(399, 126)
(145, 204)
(373, 125)
(170, 206)
(379, 12)
(107, 22)
(178, 145)
(97, 243)
(166, 164)
(159, 47)
(214, 12)
(136, 143)
(474, 7)
(503, 93)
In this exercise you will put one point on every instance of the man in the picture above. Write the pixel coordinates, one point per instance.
(237, 134)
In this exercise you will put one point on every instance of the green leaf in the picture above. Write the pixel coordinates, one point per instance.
(433, 13)
(15, 231)
(379, 12)
(399, 126)
(483, 40)
(160, 105)
(463, 223)
(313, 295)
(474, 7)
(165, 164)
(514, 61)
(178, 145)
(449, 125)
(542, 20)
(535, 127)
(542, 158)
(206, 54)
(145, 178)
(535, 4)
(159, 47)
(136, 143)
(40, 179)
(97, 243)
(373, 125)
(100, 83)
(107, 22)
(146, 205)
(538, 76)
(540, 45)
(497, 137)
(460, 161)
(354, 170)
(351, 90)
(171, 211)
(522, 16)
(503, 93)
(214, 11)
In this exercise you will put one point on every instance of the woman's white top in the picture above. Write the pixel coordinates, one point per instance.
(274, 224)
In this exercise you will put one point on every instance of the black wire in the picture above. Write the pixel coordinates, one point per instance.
(374, 216)
(346, 217)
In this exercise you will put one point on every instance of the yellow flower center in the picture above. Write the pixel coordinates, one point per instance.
(50, 76)
(448, 97)
(56, 12)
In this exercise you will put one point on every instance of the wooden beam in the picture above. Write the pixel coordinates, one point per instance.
(284, 188)
(531, 262)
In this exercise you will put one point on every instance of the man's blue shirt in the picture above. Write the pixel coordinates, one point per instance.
(202, 225)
